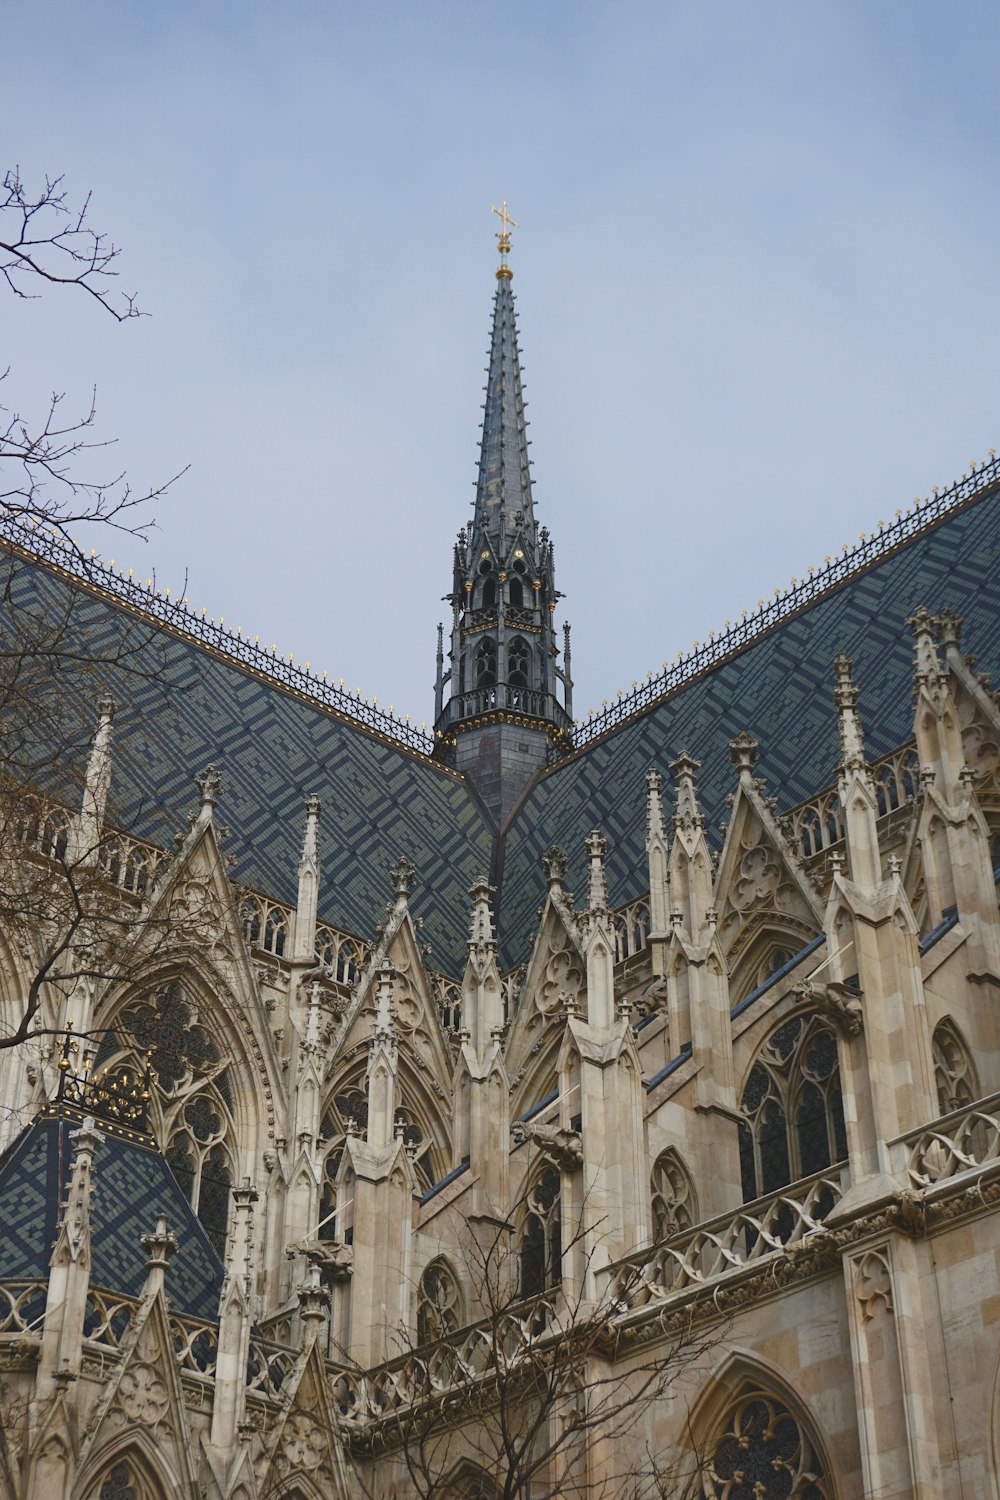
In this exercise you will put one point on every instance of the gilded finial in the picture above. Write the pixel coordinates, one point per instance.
(503, 239)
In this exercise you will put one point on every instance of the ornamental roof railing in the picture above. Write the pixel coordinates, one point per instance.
(46, 544)
(873, 548)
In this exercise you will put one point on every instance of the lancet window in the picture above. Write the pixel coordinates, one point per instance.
(192, 1106)
(674, 1204)
(541, 1236)
(350, 1104)
(764, 1453)
(519, 663)
(486, 664)
(793, 1113)
(439, 1303)
(954, 1073)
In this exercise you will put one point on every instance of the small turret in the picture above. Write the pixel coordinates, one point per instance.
(503, 698)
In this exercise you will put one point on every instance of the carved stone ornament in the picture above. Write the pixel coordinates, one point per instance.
(835, 1002)
(873, 1283)
(195, 912)
(143, 1395)
(303, 1442)
(329, 1255)
(563, 1148)
(562, 976)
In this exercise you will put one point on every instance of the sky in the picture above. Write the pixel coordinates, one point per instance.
(756, 282)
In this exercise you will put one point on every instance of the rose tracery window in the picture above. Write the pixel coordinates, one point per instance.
(764, 1453)
(122, 1482)
(118, 1485)
(192, 1114)
(439, 1303)
(541, 1237)
(674, 1204)
(793, 1113)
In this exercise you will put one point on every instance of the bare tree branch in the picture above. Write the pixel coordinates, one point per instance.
(43, 238)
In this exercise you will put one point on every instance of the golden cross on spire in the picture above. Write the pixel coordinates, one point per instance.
(503, 238)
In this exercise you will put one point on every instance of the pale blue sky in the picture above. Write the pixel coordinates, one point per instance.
(757, 290)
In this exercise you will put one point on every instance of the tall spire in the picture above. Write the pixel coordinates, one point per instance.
(503, 487)
(508, 698)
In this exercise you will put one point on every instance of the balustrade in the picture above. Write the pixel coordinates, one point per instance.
(22, 1306)
(967, 1140)
(468, 1356)
(728, 1243)
(343, 956)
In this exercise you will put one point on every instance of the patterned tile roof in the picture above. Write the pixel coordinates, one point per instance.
(184, 702)
(779, 688)
(132, 1185)
(182, 705)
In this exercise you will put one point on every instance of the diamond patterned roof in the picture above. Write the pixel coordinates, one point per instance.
(132, 1185)
(780, 689)
(182, 705)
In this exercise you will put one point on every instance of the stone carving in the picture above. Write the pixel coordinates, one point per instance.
(143, 1395)
(563, 1148)
(674, 1205)
(835, 1002)
(303, 1442)
(562, 976)
(873, 1283)
(329, 1255)
(195, 913)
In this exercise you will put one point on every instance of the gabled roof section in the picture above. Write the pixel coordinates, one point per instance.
(777, 683)
(132, 1184)
(504, 482)
(183, 703)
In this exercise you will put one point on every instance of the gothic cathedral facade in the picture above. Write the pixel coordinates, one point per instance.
(532, 1107)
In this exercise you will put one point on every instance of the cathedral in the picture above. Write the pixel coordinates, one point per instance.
(527, 1107)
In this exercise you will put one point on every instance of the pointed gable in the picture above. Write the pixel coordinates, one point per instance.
(774, 684)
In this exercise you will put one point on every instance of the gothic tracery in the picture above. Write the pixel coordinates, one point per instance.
(793, 1116)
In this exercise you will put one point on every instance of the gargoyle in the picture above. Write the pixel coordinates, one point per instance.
(834, 1000)
(329, 1255)
(563, 1148)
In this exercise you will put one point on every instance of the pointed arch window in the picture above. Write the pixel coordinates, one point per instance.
(439, 1303)
(954, 1071)
(192, 1106)
(764, 1452)
(519, 663)
(486, 663)
(541, 1236)
(515, 593)
(792, 1108)
(350, 1105)
(675, 1207)
(489, 595)
(124, 1480)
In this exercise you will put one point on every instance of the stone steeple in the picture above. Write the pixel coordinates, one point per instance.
(503, 698)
